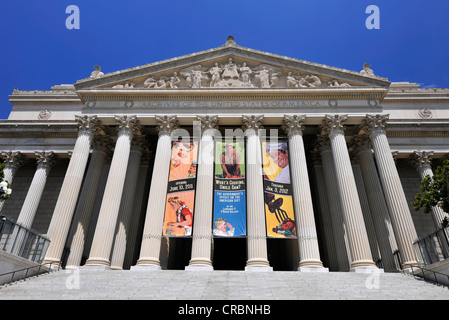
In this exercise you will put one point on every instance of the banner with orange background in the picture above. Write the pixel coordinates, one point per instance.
(178, 220)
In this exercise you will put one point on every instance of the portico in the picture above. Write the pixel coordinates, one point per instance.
(120, 132)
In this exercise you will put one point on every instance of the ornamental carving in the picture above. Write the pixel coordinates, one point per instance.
(231, 74)
(44, 115)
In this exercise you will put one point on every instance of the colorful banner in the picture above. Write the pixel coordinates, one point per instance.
(229, 219)
(181, 189)
(279, 212)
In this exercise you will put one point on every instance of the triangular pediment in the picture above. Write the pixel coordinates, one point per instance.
(231, 66)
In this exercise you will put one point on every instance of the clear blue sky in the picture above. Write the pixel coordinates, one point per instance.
(38, 51)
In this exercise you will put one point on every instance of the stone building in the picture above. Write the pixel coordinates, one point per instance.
(90, 163)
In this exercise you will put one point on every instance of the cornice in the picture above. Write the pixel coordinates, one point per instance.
(232, 94)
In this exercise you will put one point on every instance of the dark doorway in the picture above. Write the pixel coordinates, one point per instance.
(229, 254)
(179, 252)
(283, 254)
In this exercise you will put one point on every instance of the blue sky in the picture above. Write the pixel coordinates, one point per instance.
(38, 51)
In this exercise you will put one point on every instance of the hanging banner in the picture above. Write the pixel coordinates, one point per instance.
(229, 218)
(279, 212)
(180, 200)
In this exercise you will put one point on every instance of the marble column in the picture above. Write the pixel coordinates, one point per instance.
(376, 200)
(126, 206)
(309, 253)
(154, 218)
(13, 160)
(68, 196)
(45, 160)
(256, 240)
(401, 218)
(202, 228)
(325, 213)
(366, 211)
(422, 162)
(102, 146)
(336, 215)
(137, 219)
(128, 126)
(361, 258)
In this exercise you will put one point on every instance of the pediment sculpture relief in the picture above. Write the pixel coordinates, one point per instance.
(232, 75)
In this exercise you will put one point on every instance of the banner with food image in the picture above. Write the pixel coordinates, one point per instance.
(178, 220)
(279, 212)
(229, 219)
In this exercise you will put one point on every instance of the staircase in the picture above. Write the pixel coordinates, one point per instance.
(87, 284)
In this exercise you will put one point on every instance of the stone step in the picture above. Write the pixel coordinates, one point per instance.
(221, 285)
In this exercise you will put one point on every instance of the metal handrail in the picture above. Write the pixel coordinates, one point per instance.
(435, 273)
(26, 273)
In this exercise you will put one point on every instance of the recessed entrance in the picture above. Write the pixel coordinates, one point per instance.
(283, 254)
(229, 253)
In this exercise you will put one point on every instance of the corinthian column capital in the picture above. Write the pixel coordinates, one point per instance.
(333, 124)
(375, 123)
(129, 125)
(88, 124)
(253, 122)
(13, 159)
(421, 159)
(166, 124)
(45, 159)
(208, 122)
(360, 142)
(293, 124)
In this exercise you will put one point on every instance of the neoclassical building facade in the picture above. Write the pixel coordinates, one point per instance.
(93, 165)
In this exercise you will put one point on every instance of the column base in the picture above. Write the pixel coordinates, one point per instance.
(199, 268)
(258, 269)
(95, 267)
(311, 269)
(98, 262)
(145, 268)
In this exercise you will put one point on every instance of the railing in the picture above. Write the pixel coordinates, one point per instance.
(21, 274)
(21, 241)
(432, 248)
(432, 276)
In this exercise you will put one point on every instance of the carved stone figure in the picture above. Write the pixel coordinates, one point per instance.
(195, 77)
(97, 72)
(230, 71)
(127, 85)
(245, 72)
(151, 83)
(335, 84)
(309, 81)
(215, 73)
(263, 77)
(174, 81)
(367, 71)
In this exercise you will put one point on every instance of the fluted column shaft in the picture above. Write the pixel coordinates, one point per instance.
(13, 160)
(126, 205)
(366, 211)
(68, 196)
(202, 230)
(45, 160)
(352, 211)
(86, 203)
(256, 241)
(326, 220)
(422, 162)
(379, 210)
(394, 194)
(336, 215)
(154, 217)
(302, 198)
(107, 218)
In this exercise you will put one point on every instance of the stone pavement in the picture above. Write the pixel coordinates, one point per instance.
(220, 285)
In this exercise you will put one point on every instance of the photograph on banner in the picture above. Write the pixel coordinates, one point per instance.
(229, 219)
(180, 199)
(279, 210)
